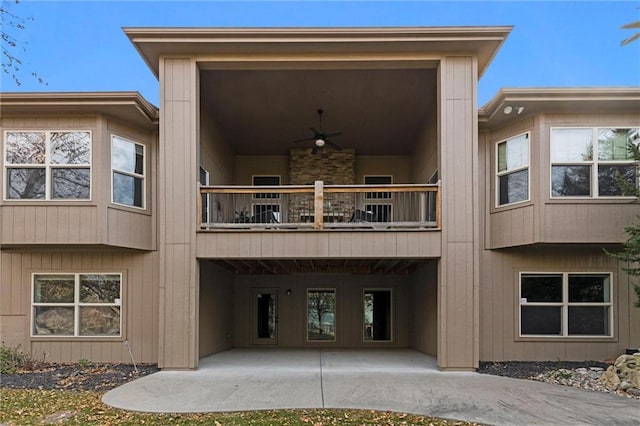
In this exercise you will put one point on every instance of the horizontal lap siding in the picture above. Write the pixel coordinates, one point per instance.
(140, 300)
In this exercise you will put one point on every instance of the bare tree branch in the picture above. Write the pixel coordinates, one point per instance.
(11, 46)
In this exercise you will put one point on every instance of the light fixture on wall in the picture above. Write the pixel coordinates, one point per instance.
(288, 292)
(509, 109)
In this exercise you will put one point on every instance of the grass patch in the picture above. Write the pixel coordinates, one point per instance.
(26, 407)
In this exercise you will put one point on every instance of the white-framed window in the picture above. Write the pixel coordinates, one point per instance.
(591, 161)
(128, 171)
(47, 165)
(512, 170)
(566, 304)
(321, 314)
(76, 304)
(377, 315)
(268, 209)
(378, 204)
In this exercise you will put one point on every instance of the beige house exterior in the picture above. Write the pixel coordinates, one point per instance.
(172, 233)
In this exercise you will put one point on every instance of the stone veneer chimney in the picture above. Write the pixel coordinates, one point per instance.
(333, 167)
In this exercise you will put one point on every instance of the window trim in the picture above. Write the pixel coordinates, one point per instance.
(131, 174)
(391, 315)
(498, 174)
(47, 166)
(565, 304)
(593, 166)
(268, 196)
(76, 305)
(335, 315)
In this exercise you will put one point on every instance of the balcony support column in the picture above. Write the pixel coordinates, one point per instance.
(178, 218)
(458, 268)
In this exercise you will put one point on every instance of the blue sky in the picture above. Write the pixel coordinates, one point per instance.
(80, 46)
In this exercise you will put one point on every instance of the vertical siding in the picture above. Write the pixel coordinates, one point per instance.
(330, 244)
(553, 220)
(423, 320)
(458, 267)
(499, 295)
(292, 308)
(178, 171)
(215, 154)
(215, 309)
(139, 310)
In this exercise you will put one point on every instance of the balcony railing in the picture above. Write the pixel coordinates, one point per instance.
(318, 206)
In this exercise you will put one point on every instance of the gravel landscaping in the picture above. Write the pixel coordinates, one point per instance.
(585, 375)
(93, 377)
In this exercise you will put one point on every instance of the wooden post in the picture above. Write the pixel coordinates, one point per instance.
(318, 207)
(438, 209)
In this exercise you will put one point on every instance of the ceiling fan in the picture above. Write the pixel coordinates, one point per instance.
(320, 138)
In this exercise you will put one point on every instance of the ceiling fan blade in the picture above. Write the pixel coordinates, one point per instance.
(328, 135)
(333, 144)
(315, 132)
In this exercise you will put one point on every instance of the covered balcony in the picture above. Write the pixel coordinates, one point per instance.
(339, 148)
(408, 206)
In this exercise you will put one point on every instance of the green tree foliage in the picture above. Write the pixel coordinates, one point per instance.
(631, 252)
(11, 44)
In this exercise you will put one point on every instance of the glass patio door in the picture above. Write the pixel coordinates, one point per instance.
(265, 322)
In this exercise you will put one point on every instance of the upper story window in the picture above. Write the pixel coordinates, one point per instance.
(513, 170)
(566, 304)
(128, 172)
(591, 162)
(47, 165)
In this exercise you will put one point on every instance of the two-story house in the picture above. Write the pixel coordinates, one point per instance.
(317, 188)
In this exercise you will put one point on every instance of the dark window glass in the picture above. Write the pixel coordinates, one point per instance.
(589, 320)
(377, 180)
(266, 181)
(541, 320)
(589, 288)
(541, 288)
(70, 183)
(567, 181)
(127, 190)
(377, 315)
(514, 187)
(26, 184)
(610, 177)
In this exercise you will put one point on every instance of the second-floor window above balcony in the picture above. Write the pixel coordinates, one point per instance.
(513, 170)
(593, 162)
(47, 165)
(128, 170)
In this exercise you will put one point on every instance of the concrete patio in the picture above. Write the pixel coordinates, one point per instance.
(397, 380)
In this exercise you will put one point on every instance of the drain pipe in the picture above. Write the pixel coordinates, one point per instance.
(126, 345)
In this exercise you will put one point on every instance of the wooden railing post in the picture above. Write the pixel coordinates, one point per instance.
(318, 207)
(438, 208)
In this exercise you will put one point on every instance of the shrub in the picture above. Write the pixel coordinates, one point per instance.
(11, 359)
